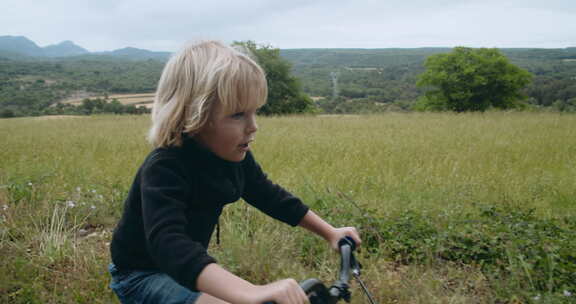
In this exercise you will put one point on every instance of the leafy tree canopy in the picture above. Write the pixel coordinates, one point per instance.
(285, 95)
(472, 80)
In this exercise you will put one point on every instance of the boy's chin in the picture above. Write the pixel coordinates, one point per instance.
(237, 157)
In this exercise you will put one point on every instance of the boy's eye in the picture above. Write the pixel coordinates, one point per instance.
(237, 115)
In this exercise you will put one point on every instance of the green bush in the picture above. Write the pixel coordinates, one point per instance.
(538, 254)
(513, 247)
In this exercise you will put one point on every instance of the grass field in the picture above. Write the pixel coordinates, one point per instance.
(468, 208)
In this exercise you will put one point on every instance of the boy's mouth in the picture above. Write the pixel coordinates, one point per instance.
(246, 144)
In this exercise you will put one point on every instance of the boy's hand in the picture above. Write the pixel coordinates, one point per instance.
(339, 233)
(316, 224)
(281, 292)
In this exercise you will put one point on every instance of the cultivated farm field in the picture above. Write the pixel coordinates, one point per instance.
(143, 99)
(453, 208)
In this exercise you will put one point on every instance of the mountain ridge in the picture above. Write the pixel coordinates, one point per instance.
(20, 47)
(14, 47)
(64, 49)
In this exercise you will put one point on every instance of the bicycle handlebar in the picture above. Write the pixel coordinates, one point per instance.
(317, 291)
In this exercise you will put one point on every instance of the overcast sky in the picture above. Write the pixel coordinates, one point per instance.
(164, 25)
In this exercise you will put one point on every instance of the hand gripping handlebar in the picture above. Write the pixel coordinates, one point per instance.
(318, 293)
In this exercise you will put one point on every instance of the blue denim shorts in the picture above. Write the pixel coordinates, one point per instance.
(148, 287)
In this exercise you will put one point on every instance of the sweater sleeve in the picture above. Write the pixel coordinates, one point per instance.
(268, 197)
(165, 192)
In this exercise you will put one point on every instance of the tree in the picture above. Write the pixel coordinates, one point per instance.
(472, 80)
(566, 105)
(7, 113)
(285, 95)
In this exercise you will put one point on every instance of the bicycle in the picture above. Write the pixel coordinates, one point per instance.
(318, 293)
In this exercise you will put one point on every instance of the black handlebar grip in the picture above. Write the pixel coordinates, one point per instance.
(347, 241)
(316, 291)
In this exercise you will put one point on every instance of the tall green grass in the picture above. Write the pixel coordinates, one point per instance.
(467, 208)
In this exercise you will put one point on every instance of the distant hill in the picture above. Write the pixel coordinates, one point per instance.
(34, 79)
(64, 49)
(16, 47)
(358, 57)
(380, 58)
(20, 45)
(135, 53)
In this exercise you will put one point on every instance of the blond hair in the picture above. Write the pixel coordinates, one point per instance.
(196, 79)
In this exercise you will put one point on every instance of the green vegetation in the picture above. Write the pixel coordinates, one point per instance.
(385, 79)
(285, 94)
(472, 80)
(33, 87)
(468, 208)
(91, 106)
(339, 80)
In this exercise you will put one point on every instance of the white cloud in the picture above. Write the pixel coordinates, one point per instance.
(165, 25)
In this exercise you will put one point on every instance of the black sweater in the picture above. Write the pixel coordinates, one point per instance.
(174, 204)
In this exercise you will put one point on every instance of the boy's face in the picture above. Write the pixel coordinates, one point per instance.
(228, 135)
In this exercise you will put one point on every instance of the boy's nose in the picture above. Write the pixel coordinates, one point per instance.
(252, 126)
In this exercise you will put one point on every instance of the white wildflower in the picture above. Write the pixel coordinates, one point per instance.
(536, 298)
(567, 293)
(100, 196)
(93, 191)
(70, 204)
(92, 207)
(78, 189)
(5, 207)
(30, 184)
